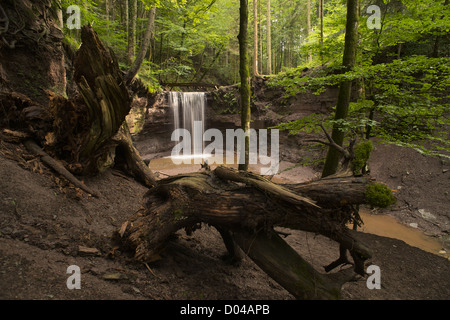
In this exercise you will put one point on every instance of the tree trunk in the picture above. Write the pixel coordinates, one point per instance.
(126, 4)
(132, 30)
(351, 39)
(245, 83)
(269, 39)
(211, 64)
(255, 38)
(144, 47)
(308, 25)
(246, 208)
(261, 63)
(321, 4)
(284, 265)
(107, 9)
(131, 159)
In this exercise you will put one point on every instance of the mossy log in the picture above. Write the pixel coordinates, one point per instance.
(246, 208)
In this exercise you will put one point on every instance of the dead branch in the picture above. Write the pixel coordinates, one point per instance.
(57, 166)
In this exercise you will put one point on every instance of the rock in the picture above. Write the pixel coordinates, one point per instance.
(426, 215)
(136, 290)
(413, 225)
(114, 276)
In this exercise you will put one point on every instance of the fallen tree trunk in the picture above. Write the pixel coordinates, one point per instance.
(283, 264)
(246, 208)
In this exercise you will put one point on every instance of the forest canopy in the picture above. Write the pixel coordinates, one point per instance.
(195, 40)
(401, 67)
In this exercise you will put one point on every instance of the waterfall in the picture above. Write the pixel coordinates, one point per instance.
(189, 113)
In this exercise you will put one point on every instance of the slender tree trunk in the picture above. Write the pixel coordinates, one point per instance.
(255, 38)
(308, 25)
(399, 50)
(144, 47)
(351, 39)
(127, 16)
(112, 12)
(227, 62)
(107, 8)
(269, 39)
(245, 81)
(261, 70)
(132, 30)
(321, 3)
(142, 24)
(217, 55)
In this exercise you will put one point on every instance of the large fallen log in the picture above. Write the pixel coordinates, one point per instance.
(246, 208)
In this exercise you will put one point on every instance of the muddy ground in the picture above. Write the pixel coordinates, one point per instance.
(46, 226)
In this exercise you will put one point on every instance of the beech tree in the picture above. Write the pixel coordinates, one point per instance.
(245, 90)
(338, 135)
(144, 46)
(132, 30)
(255, 38)
(269, 39)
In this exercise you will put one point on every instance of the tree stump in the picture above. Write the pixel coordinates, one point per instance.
(90, 130)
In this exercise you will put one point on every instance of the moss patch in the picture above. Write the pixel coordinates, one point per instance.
(362, 153)
(379, 195)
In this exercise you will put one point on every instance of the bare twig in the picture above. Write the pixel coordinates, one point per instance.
(149, 269)
(334, 144)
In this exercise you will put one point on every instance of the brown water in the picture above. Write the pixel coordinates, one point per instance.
(382, 225)
(387, 226)
(166, 167)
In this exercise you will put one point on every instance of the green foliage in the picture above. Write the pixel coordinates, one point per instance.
(406, 101)
(188, 35)
(185, 34)
(308, 124)
(362, 153)
(379, 195)
(405, 96)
